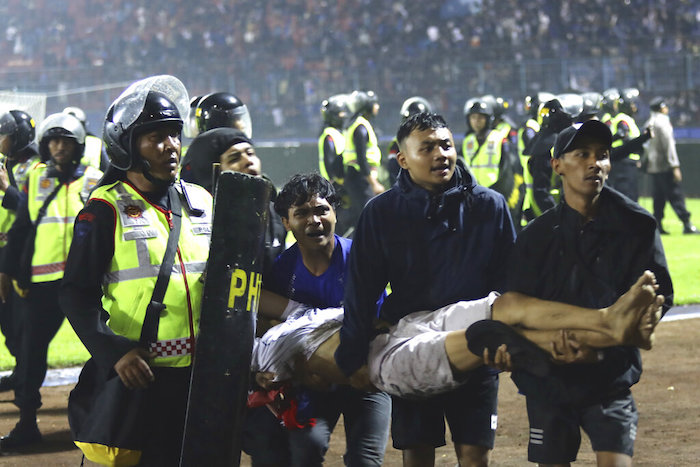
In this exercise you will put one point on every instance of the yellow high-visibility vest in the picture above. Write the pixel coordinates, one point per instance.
(92, 156)
(54, 232)
(140, 241)
(374, 154)
(21, 173)
(634, 131)
(527, 176)
(483, 161)
(338, 142)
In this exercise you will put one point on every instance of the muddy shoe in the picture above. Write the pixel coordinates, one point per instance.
(524, 354)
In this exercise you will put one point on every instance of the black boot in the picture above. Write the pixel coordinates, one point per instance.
(689, 228)
(26, 432)
(7, 383)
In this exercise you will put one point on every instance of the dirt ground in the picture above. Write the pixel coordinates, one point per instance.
(667, 398)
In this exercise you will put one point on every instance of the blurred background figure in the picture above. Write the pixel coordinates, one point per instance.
(95, 152)
(661, 160)
(624, 173)
(410, 106)
(19, 155)
(362, 158)
(491, 156)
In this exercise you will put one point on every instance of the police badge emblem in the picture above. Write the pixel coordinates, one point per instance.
(133, 211)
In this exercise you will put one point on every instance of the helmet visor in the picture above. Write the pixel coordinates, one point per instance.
(8, 125)
(130, 104)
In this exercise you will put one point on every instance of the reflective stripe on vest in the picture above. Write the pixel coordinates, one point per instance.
(483, 161)
(633, 133)
(55, 230)
(140, 239)
(374, 155)
(338, 142)
(21, 173)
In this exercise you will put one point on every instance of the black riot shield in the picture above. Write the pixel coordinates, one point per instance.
(221, 367)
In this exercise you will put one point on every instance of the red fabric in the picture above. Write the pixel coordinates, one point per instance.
(282, 404)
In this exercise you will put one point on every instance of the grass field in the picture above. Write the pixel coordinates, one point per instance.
(682, 253)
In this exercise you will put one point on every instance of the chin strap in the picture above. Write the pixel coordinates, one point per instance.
(146, 171)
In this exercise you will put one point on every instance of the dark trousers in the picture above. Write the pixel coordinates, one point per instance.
(10, 323)
(167, 406)
(624, 177)
(40, 321)
(666, 189)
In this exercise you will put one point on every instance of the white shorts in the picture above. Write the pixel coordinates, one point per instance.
(410, 360)
(301, 334)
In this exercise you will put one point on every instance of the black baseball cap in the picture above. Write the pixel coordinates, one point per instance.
(568, 139)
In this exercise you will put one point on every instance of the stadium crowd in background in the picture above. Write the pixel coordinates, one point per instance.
(301, 51)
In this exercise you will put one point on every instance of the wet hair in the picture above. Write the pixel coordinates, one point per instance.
(420, 121)
(300, 189)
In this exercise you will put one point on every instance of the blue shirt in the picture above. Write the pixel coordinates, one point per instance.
(292, 279)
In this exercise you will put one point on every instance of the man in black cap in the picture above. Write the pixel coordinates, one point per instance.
(586, 251)
(664, 167)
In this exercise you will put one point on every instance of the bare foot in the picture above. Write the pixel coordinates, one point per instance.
(644, 338)
(624, 315)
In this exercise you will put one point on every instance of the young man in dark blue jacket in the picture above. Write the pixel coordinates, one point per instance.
(586, 251)
(437, 237)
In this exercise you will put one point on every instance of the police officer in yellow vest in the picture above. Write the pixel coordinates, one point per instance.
(119, 243)
(624, 172)
(95, 154)
(609, 108)
(55, 192)
(18, 155)
(362, 156)
(525, 135)
(331, 143)
(491, 157)
(554, 116)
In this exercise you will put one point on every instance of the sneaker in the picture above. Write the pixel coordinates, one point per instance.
(524, 354)
(19, 437)
(689, 228)
(663, 231)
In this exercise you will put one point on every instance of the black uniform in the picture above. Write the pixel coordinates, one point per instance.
(560, 257)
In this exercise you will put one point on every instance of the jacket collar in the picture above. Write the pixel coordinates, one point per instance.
(609, 201)
(447, 207)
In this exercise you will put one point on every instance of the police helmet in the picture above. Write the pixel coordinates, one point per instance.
(61, 125)
(559, 113)
(610, 99)
(479, 105)
(534, 101)
(628, 100)
(499, 105)
(362, 102)
(190, 129)
(78, 113)
(414, 105)
(334, 111)
(592, 105)
(20, 126)
(143, 105)
(220, 110)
